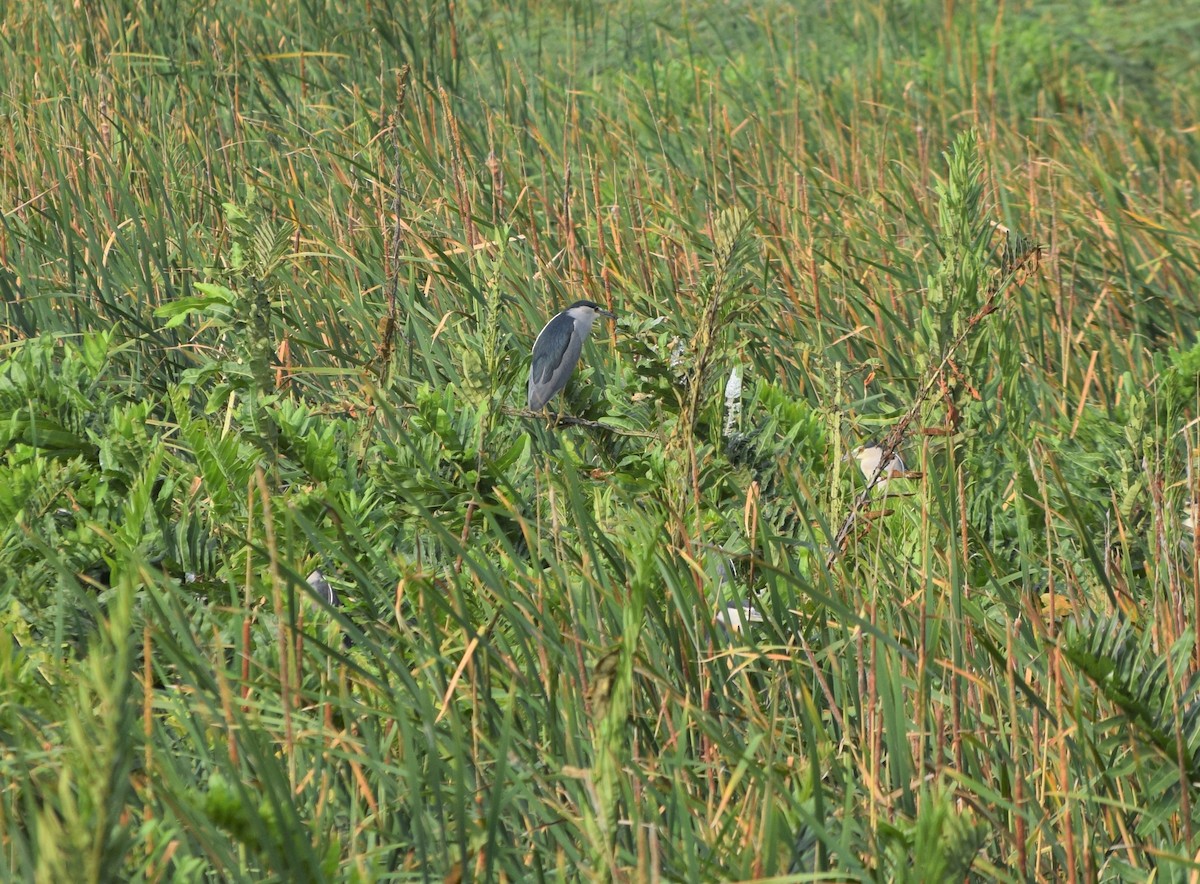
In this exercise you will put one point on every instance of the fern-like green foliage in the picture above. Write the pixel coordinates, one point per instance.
(785, 442)
(75, 455)
(1148, 687)
(940, 844)
(1180, 377)
(79, 834)
(956, 289)
(53, 394)
(267, 296)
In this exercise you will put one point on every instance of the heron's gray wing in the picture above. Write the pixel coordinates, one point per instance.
(318, 582)
(550, 348)
(555, 353)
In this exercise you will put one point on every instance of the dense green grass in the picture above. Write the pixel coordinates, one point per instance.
(270, 275)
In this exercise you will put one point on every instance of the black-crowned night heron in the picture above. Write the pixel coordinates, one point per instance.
(326, 593)
(869, 457)
(557, 348)
(735, 617)
(322, 588)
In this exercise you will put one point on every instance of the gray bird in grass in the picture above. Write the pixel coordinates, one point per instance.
(869, 456)
(322, 588)
(557, 348)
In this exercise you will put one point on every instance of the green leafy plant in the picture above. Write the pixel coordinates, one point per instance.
(292, 588)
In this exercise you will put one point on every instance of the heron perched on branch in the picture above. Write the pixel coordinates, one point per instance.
(557, 348)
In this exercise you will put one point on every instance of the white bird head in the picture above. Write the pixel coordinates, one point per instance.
(869, 457)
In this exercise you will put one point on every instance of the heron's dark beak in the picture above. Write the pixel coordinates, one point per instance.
(608, 313)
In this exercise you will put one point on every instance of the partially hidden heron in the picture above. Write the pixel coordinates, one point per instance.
(735, 617)
(321, 587)
(869, 457)
(557, 348)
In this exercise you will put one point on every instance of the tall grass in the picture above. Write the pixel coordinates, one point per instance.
(270, 276)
